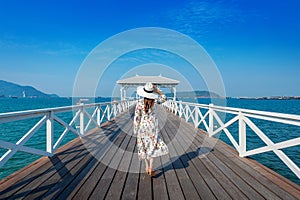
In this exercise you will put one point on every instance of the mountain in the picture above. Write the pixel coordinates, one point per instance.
(8, 89)
(198, 94)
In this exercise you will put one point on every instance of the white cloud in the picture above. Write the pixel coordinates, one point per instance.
(62, 48)
(197, 18)
(13, 43)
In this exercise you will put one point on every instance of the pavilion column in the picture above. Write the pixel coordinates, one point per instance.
(121, 93)
(174, 90)
(124, 97)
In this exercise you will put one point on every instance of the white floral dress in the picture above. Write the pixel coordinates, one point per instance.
(149, 143)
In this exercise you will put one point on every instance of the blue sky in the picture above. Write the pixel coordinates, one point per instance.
(255, 44)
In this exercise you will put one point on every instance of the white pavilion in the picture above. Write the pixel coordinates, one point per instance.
(159, 81)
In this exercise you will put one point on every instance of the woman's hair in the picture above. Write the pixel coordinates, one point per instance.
(148, 103)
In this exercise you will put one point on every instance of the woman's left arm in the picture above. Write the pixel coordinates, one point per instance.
(137, 118)
(157, 90)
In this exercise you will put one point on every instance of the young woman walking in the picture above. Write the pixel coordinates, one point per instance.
(149, 143)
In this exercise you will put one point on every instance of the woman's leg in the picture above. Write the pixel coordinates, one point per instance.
(147, 165)
(151, 171)
(151, 164)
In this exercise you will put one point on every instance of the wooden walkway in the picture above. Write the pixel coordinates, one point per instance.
(207, 169)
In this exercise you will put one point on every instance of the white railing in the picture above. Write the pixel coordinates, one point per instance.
(101, 112)
(191, 112)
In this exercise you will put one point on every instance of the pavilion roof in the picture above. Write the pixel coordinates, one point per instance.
(141, 80)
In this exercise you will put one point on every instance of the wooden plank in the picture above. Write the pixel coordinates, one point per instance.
(41, 168)
(21, 178)
(266, 187)
(104, 183)
(185, 139)
(91, 181)
(181, 169)
(31, 181)
(171, 180)
(116, 187)
(65, 175)
(130, 190)
(281, 188)
(173, 186)
(75, 185)
(55, 184)
(159, 182)
(203, 163)
(174, 190)
(14, 182)
(196, 178)
(239, 181)
(230, 188)
(115, 191)
(60, 180)
(145, 184)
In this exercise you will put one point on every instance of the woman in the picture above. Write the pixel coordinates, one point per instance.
(149, 143)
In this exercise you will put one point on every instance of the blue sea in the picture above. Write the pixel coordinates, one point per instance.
(277, 132)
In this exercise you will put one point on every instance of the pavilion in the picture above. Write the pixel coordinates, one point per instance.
(160, 81)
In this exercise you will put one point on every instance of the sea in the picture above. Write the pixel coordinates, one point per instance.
(277, 132)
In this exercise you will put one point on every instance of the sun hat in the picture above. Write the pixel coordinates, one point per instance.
(147, 91)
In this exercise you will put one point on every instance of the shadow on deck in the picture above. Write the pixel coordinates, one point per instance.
(104, 165)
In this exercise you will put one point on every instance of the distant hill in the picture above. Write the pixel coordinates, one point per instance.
(198, 94)
(8, 89)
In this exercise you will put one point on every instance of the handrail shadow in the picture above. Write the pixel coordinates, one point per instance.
(182, 161)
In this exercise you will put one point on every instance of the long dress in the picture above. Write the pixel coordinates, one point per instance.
(149, 143)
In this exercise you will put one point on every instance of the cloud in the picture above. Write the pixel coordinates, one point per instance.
(14, 43)
(201, 17)
(11, 42)
(62, 48)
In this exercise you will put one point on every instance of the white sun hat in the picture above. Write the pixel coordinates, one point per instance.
(147, 91)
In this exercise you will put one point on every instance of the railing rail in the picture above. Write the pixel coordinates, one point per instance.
(191, 112)
(101, 112)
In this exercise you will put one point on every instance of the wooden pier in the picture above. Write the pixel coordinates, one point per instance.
(208, 169)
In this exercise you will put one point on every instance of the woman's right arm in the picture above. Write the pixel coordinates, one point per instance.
(160, 93)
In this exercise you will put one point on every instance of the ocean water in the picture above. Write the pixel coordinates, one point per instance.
(277, 132)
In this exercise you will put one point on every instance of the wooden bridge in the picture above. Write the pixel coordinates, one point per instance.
(93, 168)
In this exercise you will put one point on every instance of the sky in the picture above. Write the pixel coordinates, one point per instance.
(254, 44)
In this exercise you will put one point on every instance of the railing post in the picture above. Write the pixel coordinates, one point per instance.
(98, 116)
(210, 121)
(186, 112)
(115, 109)
(180, 109)
(119, 108)
(242, 135)
(196, 117)
(81, 120)
(108, 112)
(49, 133)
